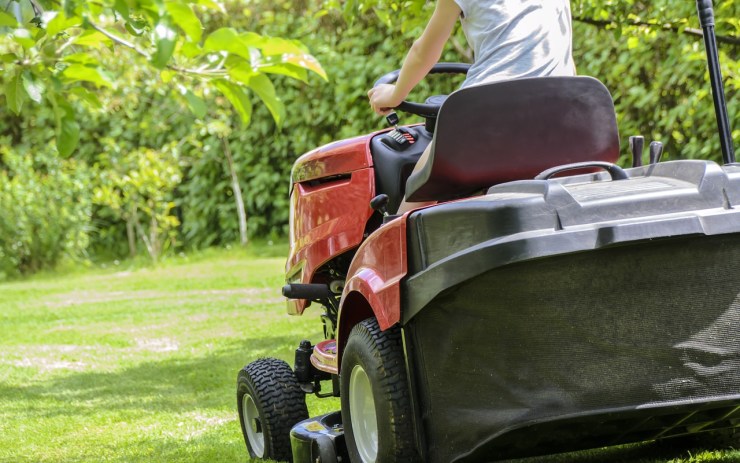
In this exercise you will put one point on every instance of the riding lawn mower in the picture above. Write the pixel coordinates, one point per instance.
(547, 300)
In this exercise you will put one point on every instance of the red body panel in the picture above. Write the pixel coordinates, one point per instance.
(336, 158)
(330, 207)
(376, 274)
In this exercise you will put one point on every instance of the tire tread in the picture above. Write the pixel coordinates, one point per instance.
(280, 400)
(387, 348)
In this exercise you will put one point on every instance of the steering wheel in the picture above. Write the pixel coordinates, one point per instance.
(424, 109)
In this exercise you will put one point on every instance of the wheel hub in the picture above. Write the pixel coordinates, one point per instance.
(362, 413)
(253, 425)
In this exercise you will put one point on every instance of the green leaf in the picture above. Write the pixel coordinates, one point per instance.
(304, 61)
(69, 7)
(8, 57)
(221, 39)
(239, 70)
(82, 58)
(227, 39)
(87, 96)
(262, 86)
(196, 105)
(349, 11)
(185, 18)
(14, 94)
(384, 17)
(190, 50)
(69, 134)
(166, 39)
(121, 6)
(166, 75)
(133, 28)
(79, 72)
(7, 20)
(34, 87)
(60, 22)
(93, 39)
(279, 46)
(212, 5)
(23, 38)
(238, 98)
(286, 70)
(292, 65)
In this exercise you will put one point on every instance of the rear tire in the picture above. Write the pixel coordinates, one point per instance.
(376, 404)
(270, 403)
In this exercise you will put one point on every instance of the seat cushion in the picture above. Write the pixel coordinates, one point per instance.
(513, 130)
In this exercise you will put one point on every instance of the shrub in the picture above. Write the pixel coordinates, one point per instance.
(44, 211)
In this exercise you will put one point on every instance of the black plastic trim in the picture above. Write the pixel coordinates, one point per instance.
(676, 412)
(526, 220)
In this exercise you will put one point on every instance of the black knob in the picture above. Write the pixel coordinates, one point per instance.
(706, 12)
(637, 144)
(656, 152)
(380, 203)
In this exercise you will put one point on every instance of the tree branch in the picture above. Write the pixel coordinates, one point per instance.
(123, 42)
(729, 40)
(37, 9)
(118, 39)
(241, 211)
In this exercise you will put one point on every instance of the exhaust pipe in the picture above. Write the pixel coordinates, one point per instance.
(706, 18)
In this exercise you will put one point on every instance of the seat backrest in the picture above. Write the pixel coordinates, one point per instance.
(513, 130)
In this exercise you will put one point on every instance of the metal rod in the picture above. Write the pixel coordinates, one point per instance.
(706, 18)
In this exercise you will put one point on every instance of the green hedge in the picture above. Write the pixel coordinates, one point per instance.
(44, 211)
(655, 69)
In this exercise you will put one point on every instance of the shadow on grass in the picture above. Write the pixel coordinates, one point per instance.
(172, 385)
(178, 385)
(195, 398)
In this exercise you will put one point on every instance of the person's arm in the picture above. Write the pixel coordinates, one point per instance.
(423, 55)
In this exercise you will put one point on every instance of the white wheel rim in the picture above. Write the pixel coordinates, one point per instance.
(362, 415)
(253, 425)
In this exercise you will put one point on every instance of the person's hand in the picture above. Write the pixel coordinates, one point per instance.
(383, 100)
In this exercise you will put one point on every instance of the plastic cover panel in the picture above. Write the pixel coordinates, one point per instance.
(634, 328)
(392, 167)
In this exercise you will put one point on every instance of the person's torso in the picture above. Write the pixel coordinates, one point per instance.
(513, 39)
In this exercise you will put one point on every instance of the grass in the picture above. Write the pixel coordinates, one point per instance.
(132, 366)
(139, 364)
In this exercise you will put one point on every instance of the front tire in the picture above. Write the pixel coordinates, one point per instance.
(270, 403)
(376, 403)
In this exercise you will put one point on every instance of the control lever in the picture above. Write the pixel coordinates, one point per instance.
(309, 292)
(637, 145)
(398, 139)
(380, 204)
(656, 152)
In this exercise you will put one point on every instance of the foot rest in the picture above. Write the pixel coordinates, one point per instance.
(324, 356)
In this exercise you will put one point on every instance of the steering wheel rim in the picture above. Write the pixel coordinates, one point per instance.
(423, 109)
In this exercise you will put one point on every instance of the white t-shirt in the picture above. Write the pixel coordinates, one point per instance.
(512, 39)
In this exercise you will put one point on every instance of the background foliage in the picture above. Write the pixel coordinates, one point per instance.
(150, 133)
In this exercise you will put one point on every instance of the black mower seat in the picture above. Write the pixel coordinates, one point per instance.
(513, 130)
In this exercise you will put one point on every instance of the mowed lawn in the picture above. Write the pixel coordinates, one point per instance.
(140, 365)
